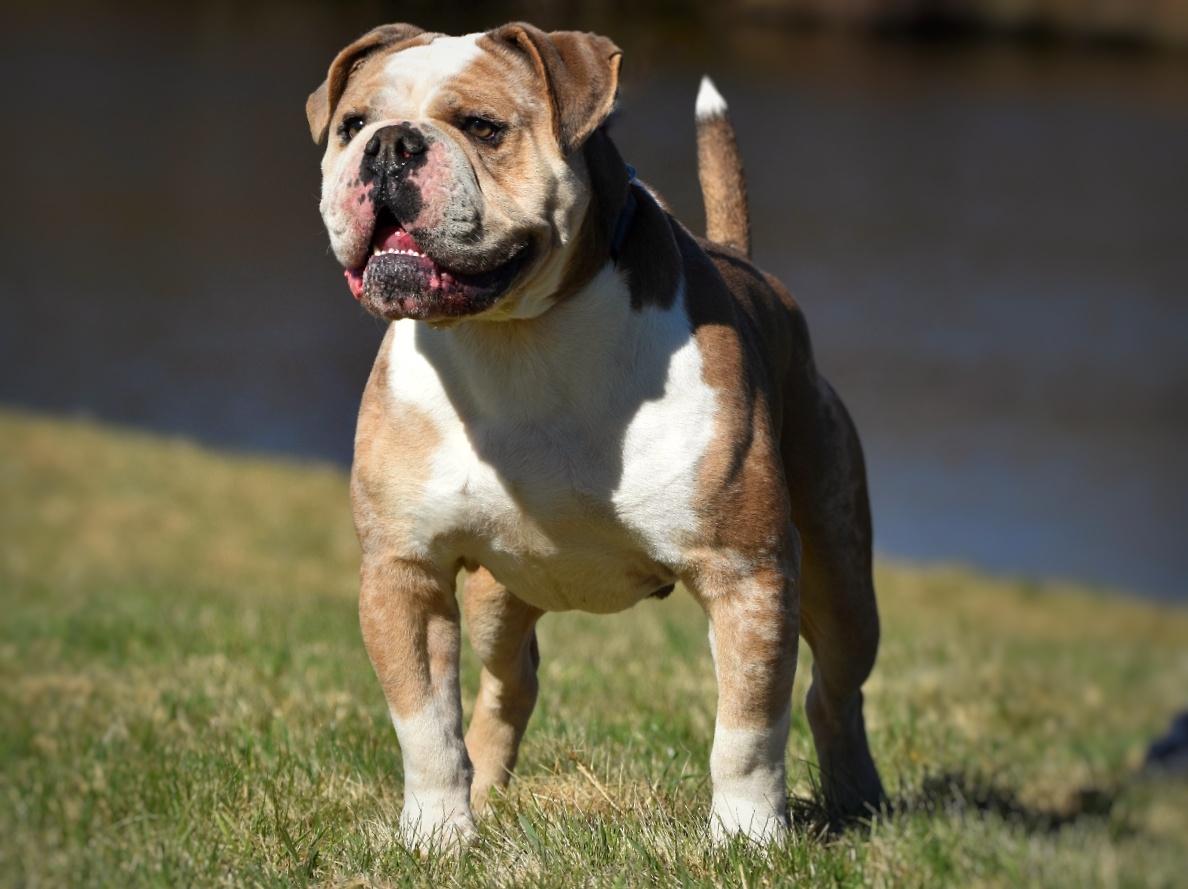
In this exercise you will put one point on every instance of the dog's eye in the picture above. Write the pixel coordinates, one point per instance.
(482, 129)
(350, 126)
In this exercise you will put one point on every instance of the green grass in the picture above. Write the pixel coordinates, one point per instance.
(185, 700)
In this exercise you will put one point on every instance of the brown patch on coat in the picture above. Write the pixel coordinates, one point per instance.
(394, 445)
(743, 334)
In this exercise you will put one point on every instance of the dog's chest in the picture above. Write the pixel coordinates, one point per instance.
(568, 464)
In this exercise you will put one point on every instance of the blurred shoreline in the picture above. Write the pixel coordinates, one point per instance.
(1116, 24)
(36, 443)
(986, 237)
(1120, 25)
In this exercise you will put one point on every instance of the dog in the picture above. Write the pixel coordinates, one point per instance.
(581, 404)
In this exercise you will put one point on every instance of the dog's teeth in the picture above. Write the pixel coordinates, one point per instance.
(394, 251)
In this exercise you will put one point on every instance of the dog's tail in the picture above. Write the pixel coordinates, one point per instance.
(719, 167)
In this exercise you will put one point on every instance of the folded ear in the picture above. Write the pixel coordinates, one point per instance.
(320, 104)
(580, 71)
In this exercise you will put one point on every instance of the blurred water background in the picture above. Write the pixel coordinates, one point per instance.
(985, 217)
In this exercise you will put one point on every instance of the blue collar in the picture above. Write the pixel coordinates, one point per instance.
(626, 215)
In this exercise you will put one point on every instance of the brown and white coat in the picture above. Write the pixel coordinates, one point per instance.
(639, 408)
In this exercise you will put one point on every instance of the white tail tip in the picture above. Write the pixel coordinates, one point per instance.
(709, 101)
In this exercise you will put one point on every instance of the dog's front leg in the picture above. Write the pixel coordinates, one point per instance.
(409, 616)
(754, 617)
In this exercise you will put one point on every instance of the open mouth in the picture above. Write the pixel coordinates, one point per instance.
(400, 280)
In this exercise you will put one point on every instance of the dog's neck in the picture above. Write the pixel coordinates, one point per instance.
(577, 353)
(622, 272)
(606, 223)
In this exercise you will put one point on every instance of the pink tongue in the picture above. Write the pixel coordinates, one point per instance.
(393, 237)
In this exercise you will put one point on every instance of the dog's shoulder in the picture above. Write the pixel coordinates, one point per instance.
(731, 301)
(394, 446)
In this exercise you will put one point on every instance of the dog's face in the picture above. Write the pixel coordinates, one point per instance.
(452, 183)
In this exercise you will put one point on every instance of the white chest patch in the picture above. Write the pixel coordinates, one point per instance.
(569, 446)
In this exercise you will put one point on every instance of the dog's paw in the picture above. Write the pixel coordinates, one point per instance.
(428, 826)
(757, 821)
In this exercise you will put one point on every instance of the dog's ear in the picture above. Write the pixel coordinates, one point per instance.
(320, 104)
(580, 72)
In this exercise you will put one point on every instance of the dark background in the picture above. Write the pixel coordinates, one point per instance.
(986, 221)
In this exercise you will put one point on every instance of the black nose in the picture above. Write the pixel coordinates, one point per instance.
(388, 158)
(395, 144)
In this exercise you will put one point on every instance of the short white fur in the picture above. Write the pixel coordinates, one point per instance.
(747, 768)
(437, 776)
(710, 103)
(417, 73)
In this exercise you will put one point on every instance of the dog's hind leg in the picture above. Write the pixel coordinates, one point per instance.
(839, 618)
(501, 629)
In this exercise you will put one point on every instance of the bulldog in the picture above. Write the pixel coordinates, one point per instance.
(581, 404)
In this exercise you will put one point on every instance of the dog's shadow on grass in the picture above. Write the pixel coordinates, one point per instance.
(961, 794)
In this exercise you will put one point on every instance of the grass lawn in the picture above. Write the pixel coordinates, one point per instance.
(185, 701)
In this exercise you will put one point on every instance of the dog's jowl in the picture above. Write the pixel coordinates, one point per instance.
(581, 404)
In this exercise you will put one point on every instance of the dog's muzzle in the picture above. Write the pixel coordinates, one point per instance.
(407, 272)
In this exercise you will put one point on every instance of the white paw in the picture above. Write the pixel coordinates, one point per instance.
(756, 820)
(433, 825)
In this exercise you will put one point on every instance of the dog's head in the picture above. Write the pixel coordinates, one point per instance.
(453, 184)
